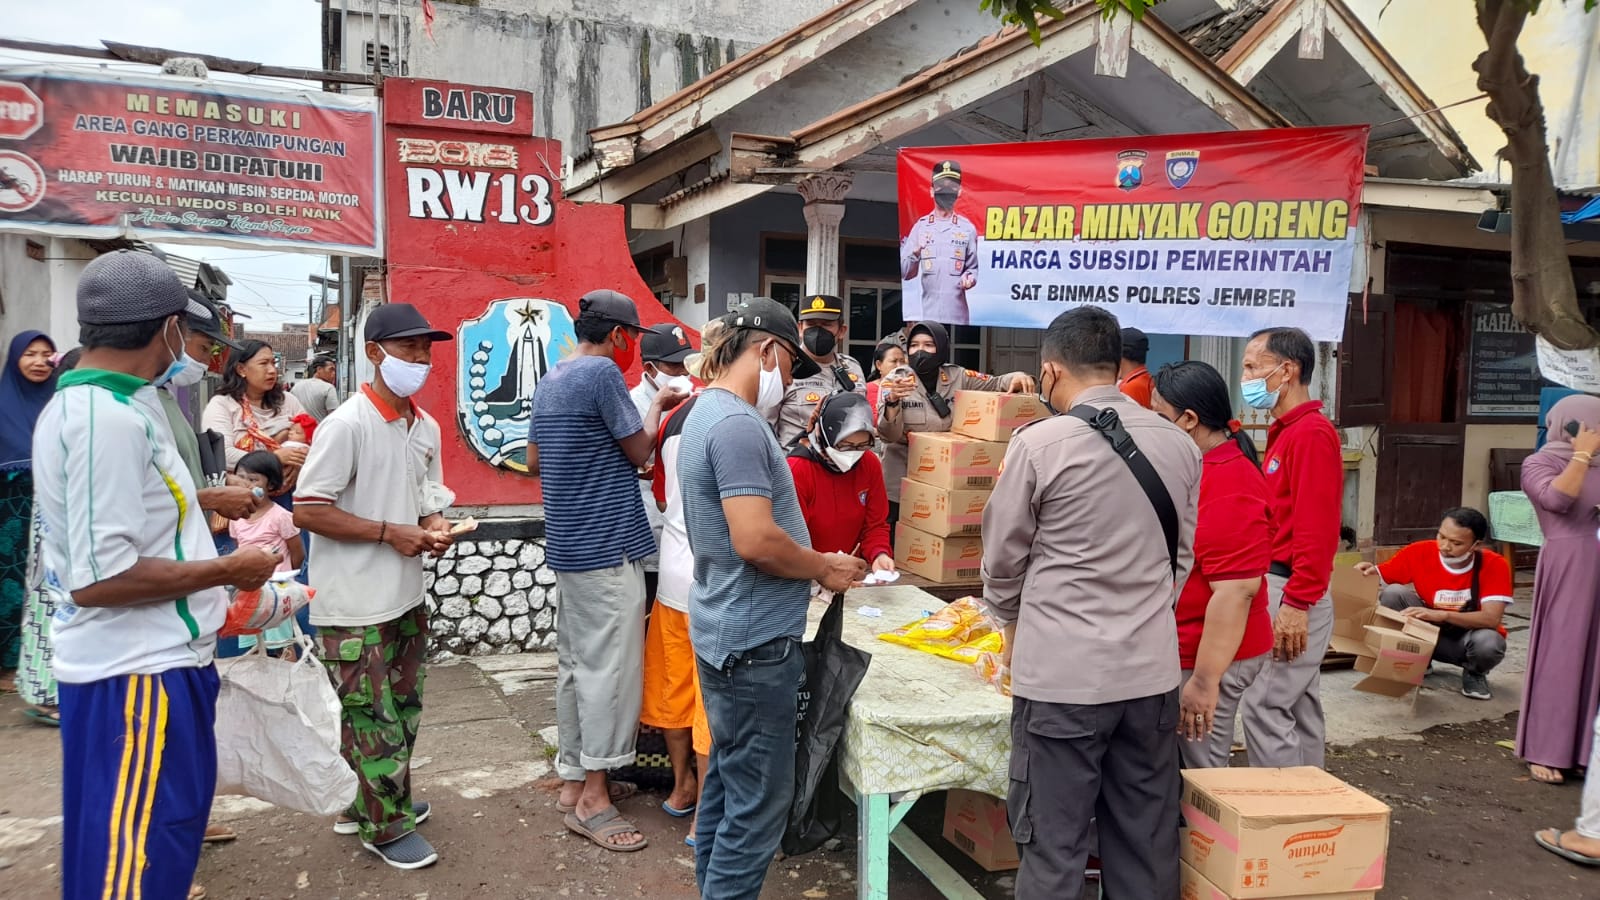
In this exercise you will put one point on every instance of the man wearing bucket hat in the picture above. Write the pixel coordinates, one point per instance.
(372, 492)
(138, 591)
(822, 336)
(940, 252)
(747, 606)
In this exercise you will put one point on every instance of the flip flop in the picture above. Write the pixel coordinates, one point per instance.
(1557, 778)
(41, 717)
(603, 825)
(618, 791)
(688, 840)
(677, 813)
(1582, 859)
(219, 834)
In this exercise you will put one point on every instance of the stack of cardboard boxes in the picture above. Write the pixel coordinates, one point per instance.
(1275, 833)
(949, 477)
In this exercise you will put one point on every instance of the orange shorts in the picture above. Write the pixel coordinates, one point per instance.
(671, 682)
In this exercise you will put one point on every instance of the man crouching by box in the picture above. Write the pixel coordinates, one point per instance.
(1463, 590)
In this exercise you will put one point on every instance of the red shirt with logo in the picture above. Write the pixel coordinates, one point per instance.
(1305, 482)
(844, 509)
(1446, 588)
(1230, 544)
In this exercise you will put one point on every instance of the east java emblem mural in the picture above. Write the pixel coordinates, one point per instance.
(504, 354)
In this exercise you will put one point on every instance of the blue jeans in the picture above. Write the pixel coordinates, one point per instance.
(750, 705)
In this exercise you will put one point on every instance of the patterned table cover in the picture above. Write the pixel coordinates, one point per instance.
(919, 723)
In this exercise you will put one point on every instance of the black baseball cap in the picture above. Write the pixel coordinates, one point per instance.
(665, 343)
(1135, 346)
(393, 321)
(610, 306)
(768, 315)
(209, 324)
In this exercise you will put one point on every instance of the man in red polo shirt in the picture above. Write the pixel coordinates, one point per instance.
(1461, 589)
(1304, 468)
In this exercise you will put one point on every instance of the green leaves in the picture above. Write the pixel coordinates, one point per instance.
(1027, 12)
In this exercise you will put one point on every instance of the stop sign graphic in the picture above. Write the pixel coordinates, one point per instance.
(21, 113)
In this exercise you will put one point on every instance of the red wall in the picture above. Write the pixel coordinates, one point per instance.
(452, 268)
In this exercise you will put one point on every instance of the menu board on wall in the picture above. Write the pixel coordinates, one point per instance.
(1503, 370)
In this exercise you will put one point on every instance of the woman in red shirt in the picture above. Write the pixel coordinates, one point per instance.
(1224, 631)
(840, 482)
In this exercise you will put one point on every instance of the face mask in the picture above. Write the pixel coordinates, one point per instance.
(1255, 391)
(844, 460)
(1044, 395)
(945, 202)
(820, 341)
(679, 382)
(925, 364)
(404, 378)
(191, 372)
(1456, 562)
(769, 394)
(175, 367)
(628, 354)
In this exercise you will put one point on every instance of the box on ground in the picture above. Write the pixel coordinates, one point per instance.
(989, 416)
(942, 560)
(1392, 650)
(1282, 832)
(977, 824)
(953, 461)
(941, 511)
(1194, 886)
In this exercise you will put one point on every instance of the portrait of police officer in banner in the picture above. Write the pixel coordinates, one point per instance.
(939, 256)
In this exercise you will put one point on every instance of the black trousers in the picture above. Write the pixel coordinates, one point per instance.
(1115, 763)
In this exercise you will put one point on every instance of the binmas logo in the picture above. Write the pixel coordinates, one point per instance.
(1313, 844)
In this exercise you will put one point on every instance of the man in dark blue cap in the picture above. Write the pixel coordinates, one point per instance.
(940, 253)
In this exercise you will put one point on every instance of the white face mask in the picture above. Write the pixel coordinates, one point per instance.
(1456, 562)
(679, 383)
(404, 378)
(769, 394)
(192, 373)
(844, 460)
(174, 369)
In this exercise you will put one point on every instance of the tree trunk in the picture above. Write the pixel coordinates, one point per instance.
(1542, 294)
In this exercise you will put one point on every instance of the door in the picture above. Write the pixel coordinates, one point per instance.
(1014, 350)
(1366, 361)
(1419, 477)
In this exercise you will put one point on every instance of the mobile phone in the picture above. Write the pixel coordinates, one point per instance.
(1571, 429)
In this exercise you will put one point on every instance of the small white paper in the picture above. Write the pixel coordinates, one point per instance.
(881, 578)
(871, 612)
(1576, 369)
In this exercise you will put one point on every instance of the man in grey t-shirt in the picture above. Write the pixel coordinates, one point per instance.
(752, 580)
(316, 391)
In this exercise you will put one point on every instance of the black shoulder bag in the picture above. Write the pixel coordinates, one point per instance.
(1109, 425)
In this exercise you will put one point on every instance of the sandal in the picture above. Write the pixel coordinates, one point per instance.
(618, 791)
(1551, 776)
(197, 892)
(603, 826)
(1554, 846)
(42, 715)
(219, 834)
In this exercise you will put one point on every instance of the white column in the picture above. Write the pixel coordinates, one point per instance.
(824, 195)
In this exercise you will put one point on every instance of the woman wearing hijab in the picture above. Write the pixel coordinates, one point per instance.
(24, 391)
(839, 482)
(923, 402)
(1563, 681)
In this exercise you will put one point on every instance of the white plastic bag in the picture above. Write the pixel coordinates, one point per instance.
(278, 733)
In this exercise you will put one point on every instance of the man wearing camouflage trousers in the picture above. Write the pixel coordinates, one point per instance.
(371, 492)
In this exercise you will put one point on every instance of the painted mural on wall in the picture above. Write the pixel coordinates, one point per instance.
(513, 345)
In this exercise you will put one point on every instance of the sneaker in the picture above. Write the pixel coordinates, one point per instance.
(409, 851)
(1475, 685)
(346, 825)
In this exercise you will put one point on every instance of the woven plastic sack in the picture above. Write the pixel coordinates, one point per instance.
(274, 603)
(278, 733)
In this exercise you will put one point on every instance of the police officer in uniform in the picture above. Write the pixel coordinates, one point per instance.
(941, 251)
(925, 402)
(822, 331)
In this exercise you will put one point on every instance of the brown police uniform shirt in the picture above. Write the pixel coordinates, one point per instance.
(915, 413)
(1074, 554)
(801, 400)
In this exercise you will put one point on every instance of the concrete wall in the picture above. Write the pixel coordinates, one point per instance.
(587, 62)
(41, 294)
(1480, 439)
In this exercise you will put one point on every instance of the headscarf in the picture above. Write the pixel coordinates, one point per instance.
(1581, 408)
(941, 352)
(21, 401)
(839, 415)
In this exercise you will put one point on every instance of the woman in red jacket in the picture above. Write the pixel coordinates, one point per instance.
(840, 482)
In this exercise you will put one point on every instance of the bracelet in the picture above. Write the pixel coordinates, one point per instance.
(1582, 455)
(382, 530)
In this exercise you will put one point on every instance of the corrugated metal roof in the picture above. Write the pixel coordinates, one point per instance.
(1216, 36)
(187, 270)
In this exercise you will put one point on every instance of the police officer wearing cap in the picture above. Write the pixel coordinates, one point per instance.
(941, 252)
(822, 330)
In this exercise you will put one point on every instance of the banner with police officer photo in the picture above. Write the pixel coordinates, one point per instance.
(1202, 234)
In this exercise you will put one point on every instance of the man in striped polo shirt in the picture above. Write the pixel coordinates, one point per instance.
(747, 607)
(137, 587)
(586, 442)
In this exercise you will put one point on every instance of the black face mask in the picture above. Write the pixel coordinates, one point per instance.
(820, 341)
(925, 364)
(945, 201)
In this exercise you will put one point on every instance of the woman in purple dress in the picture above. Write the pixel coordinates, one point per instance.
(1554, 732)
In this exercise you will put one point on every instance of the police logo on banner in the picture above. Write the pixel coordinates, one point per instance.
(505, 353)
(1130, 168)
(1181, 166)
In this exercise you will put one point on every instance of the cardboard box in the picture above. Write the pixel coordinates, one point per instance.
(1194, 886)
(940, 511)
(1398, 650)
(989, 416)
(942, 560)
(1355, 597)
(953, 461)
(977, 824)
(1282, 832)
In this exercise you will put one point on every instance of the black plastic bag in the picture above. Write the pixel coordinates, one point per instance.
(834, 670)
